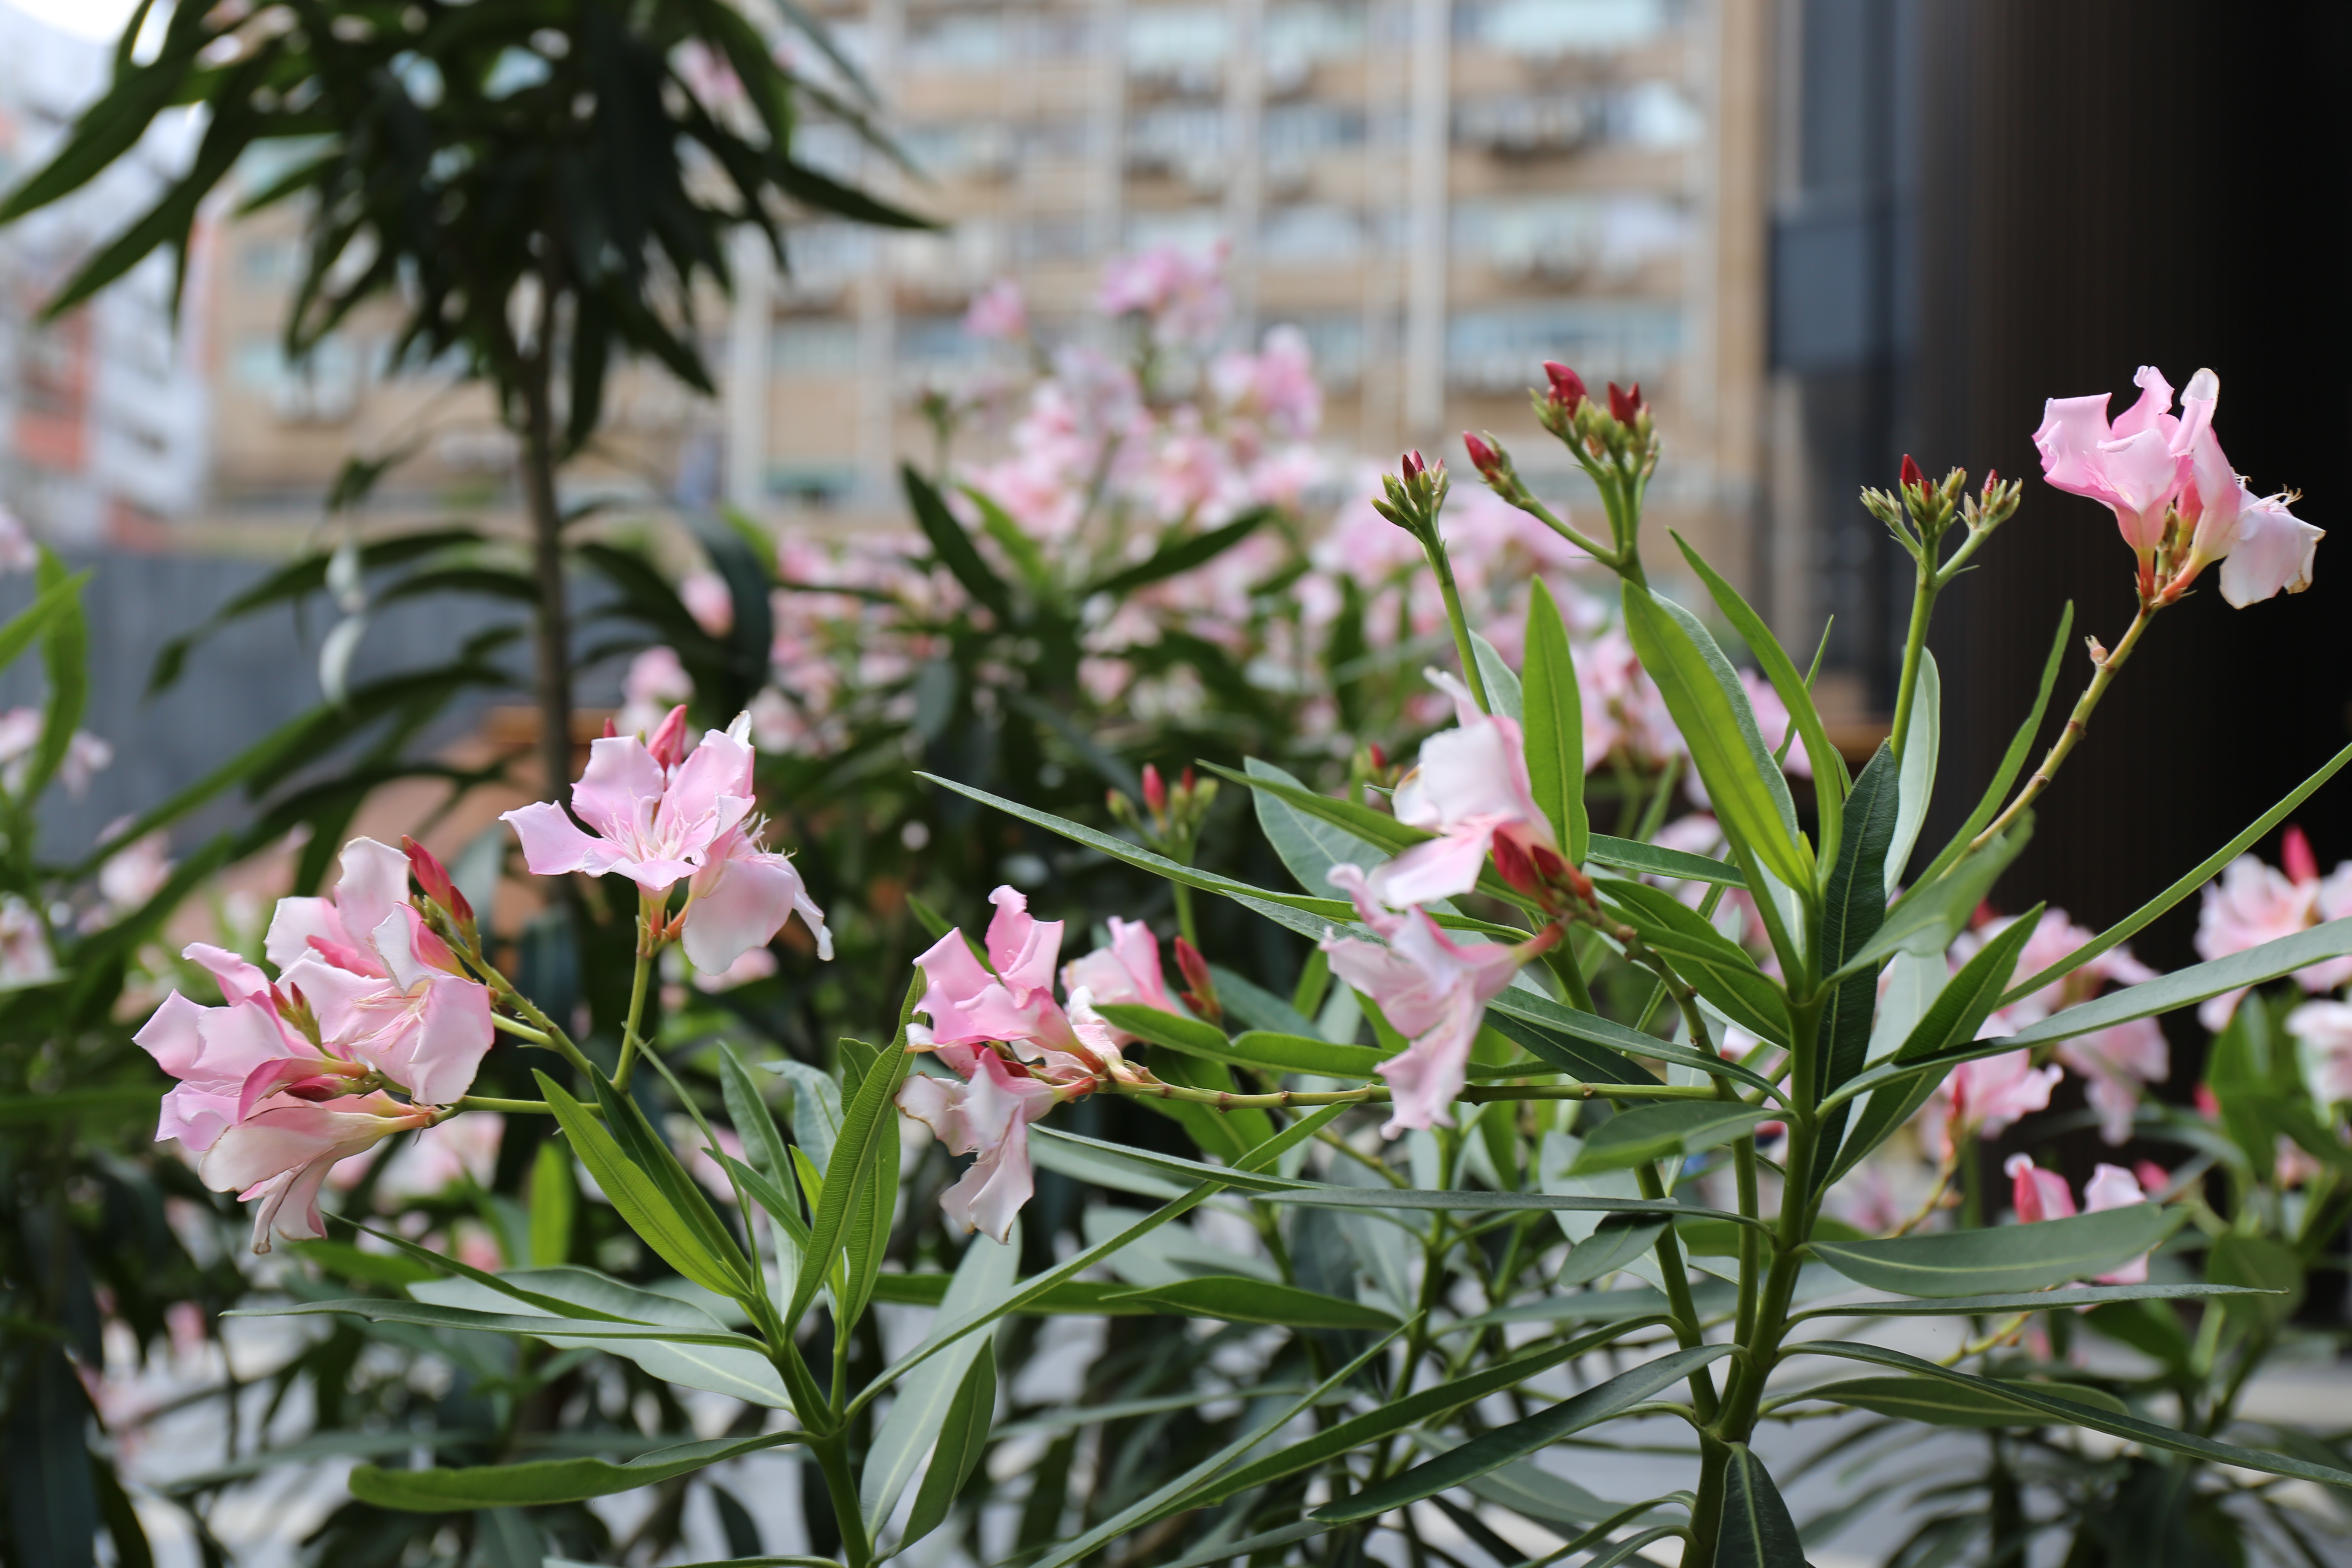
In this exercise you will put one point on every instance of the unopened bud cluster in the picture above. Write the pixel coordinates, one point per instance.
(1413, 498)
(1168, 819)
(1919, 513)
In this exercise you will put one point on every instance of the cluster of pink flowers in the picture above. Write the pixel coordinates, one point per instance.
(1017, 1052)
(288, 1076)
(2156, 471)
(2252, 904)
(662, 815)
(291, 1075)
(2039, 1194)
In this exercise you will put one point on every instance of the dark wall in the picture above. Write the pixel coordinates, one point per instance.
(2105, 184)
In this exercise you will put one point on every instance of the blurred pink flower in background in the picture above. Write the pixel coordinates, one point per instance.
(1180, 295)
(2323, 1030)
(17, 552)
(998, 312)
(2041, 1194)
(708, 600)
(462, 1148)
(655, 683)
(2251, 903)
(2115, 1064)
(1985, 1098)
(20, 739)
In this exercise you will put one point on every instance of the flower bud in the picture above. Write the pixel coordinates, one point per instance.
(1199, 988)
(434, 878)
(1912, 478)
(668, 745)
(1482, 457)
(1625, 406)
(611, 732)
(1511, 863)
(2296, 858)
(1413, 466)
(1155, 793)
(1567, 388)
(1380, 756)
(1188, 784)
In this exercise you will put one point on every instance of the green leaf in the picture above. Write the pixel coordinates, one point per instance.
(1559, 1033)
(53, 600)
(554, 1200)
(65, 657)
(1237, 1300)
(1602, 1402)
(1757, 1532)
(1167, 1169)
(748, 1110)
(1650, 1133)
(1711, 710)
(1935, 1403)
(546, 1482)
(2195, 878)
(1257, 1050)
(1308, 843)
(1717, 967)
(2012, 761)
(1955, 1015)
(1309, 916)
(1795, 693)
(963, 1439)
(1555, 724)
(2022, 1302)
(1018, 547)
(2005, 1257)
(870, 1120)
(1653, 861)
(2147, 1433)
(926, 1397)
(816, 1109)
(954, 548)
(1709, 1298)
(1412, 1410)
(1180, 556)
(1502, 681)
(2257, 1264)
(1075, 1298)
(1926, 918)
(1853, 906)
(343, 1260)
(1918, 780)
(634, 1194)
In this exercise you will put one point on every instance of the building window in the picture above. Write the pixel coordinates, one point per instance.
(959, 41)
(1311, 236)
(1498, 350)
(1337, 340)
(1046, 237)
(1196, 229)
(1182, 47)
(1549, 30)
(1185, 141)
(816, 347)
(1608, 239)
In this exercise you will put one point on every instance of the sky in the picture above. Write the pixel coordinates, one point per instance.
(100, 19)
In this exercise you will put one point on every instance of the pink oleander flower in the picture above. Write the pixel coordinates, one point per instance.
(999, 312)
(130, 876)
(17, 551)
(656, 682)
(279, 1156)
(1125, 973)
(987, 1114)
(2261, 546)
(2114, 1064)
(1985, 1098)
(20, 737)
(1433, 991)
(1470, 789)
(1182, 295)
(228, 1057)
(388, 992)
(2324, 1031)
(708, 600)
(659, 822)
(2250, 904)
(2043, 1194)
(462, 1148)
(968, 1006)
(2136, 468)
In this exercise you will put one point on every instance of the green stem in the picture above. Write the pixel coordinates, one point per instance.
(1378, 1093)
(1462, 647)
(1915, 645)
(2076, 722)
(1560, 957)
(653, 909)
(833, 1461)
(1687, 1332)
(521, 1031)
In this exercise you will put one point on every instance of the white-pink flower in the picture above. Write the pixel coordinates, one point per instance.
(660, 825)
(999, 312)
(1125, 973)
(2133, 467)
(387, 992)
(1470, 789)
(987, 1114)
(2323, 1030)
(1985, 1098)
(2043, 1194)
(227, 1058)
(1431, 989)
(277, 1156)
(2115, 1064)
(1010, 999)
(2250, 904)
(708, 599)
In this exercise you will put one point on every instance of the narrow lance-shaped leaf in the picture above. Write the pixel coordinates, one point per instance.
(1600, 1403)
(1712, 711)
(963, 1438)
(1853, 906)
(2008, 1258)
(2012, 761)
(920, 1413)
(2147, 1433)
(1757, 1532)
(1503, 688)
(632, 1192)
(1920, 752)
(1554, 725)
(870, 1118)
(545, 1481)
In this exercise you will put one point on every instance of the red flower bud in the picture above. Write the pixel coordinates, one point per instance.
(1413, 466)
(610, 733)
(2295, 854)
(1992, 481)
(1567, 390)
(1512, 864)
(1199, 989)
(426, 868)
(1483, 457)
(668, 745)
(1912, 476)
(1188, 782)
(1380, 756)
(2208, 1105)
(1155, 794)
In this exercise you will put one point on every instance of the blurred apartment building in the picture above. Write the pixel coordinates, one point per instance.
(103, 413)
(1440, 192)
